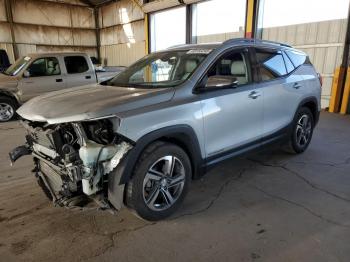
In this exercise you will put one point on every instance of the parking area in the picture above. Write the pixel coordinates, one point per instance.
(268, 207)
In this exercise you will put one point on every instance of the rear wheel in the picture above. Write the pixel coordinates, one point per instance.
(303, 127)
(160, 182)
(7, 109)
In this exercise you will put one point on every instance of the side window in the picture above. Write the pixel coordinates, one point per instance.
(290, 67)
(76, 64)
(233, 65)
(271, 65)
(47, 66)
(297, 58)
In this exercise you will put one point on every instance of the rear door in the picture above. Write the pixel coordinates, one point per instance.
(79, 71)
(232, 117)
(45, 76)
(282, 90)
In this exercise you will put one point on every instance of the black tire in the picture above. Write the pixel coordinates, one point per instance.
(7, 101)
(294, 146)
(136, 188)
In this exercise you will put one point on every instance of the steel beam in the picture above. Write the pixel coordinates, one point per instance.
(189, 32)
(9, 17)
(98, 34)
(251, 14)
(56, 26)
(147, 35)
(345, 88)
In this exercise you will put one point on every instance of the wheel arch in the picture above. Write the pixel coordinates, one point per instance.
(312, 104)
(180, 135)
(10, 95)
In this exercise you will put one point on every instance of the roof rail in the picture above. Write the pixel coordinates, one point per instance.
(254, 41)
(273, 43)
(235, 40)
(189, 45)
(176, 46)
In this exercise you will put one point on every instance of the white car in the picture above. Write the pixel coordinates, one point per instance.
(40, 73)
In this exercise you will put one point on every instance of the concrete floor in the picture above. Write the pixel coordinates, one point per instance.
(269, 207)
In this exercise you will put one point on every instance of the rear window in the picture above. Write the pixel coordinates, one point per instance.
(297, 58)
(271, 65)
(76, 64)
(289, 65)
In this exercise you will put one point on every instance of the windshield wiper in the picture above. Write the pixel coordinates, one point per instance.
(116, 84)
(125, 85)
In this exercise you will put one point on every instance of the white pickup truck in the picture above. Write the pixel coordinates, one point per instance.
(40, 73)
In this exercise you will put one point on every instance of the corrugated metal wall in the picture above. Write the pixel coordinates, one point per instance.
(322, 41)
(5, 32)
(122, 33)
(48, 26)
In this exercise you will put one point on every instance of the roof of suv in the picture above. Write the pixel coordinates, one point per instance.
(39, 54)
(230, 42)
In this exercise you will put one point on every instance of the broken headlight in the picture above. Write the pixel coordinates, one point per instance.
(101, 131)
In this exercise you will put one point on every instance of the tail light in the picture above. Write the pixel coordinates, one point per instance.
(320, 78)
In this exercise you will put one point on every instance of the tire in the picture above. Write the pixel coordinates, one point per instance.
(303, 127)
(153, 193)
(8, 108)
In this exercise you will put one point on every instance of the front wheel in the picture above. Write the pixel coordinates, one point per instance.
(7, 109)
(303, 127)
(160, 181)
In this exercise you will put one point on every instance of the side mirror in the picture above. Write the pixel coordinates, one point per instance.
(26, 74)
(217, 82)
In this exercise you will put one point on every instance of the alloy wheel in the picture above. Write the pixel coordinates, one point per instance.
(163, 183)
(303, 130)
(6, 112)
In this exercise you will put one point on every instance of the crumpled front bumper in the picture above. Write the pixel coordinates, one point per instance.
(49, 178)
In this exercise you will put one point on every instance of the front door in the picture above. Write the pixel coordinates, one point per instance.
(232, 116)
(43, 75)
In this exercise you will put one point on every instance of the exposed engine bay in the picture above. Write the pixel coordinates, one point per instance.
(72, 160)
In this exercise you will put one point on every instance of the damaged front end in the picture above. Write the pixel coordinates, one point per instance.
(74, 161)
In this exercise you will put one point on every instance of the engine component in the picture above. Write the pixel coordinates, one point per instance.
(92, 154)
(100, 131)
(69, 153)
(91, 151)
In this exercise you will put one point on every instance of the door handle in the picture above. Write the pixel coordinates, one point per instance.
(296, 85)
(59, 80)
(254, 94)
(87, 77)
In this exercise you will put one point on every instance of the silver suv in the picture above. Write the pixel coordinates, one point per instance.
(139, 139)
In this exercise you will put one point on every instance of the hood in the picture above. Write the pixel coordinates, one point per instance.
(8, 82)
(88, 102)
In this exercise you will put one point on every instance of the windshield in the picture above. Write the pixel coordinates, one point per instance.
(17, 66)
(164, 69)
